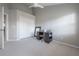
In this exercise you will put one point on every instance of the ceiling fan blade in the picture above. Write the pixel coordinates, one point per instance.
(40, 6)
(36, 5)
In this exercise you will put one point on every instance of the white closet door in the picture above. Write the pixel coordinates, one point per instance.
(26, 25)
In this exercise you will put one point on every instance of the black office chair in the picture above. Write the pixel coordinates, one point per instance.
(40, 35)
(47, 37)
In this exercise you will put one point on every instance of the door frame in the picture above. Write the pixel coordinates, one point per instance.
(6, 30)
(2, 27)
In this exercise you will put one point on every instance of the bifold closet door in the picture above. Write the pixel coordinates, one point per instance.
(26, 25)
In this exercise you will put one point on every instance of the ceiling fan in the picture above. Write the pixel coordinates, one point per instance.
(35, 5)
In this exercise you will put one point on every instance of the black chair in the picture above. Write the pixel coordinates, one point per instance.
(47, 37)
(40, 35)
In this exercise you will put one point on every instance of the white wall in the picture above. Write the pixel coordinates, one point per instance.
(12, 24)
(1, 26)
(25, 24)
(62, 20)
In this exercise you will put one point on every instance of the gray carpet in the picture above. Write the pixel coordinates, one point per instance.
(33, 47)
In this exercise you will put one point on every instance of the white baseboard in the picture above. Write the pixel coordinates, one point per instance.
(19, 39)
(12, 40)
(67, 44)
(26, 38)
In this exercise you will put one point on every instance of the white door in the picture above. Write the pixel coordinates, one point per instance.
(1, 26)
(25, 25)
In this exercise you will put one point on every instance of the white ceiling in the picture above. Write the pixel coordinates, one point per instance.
(44, 4)
(48, 4)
